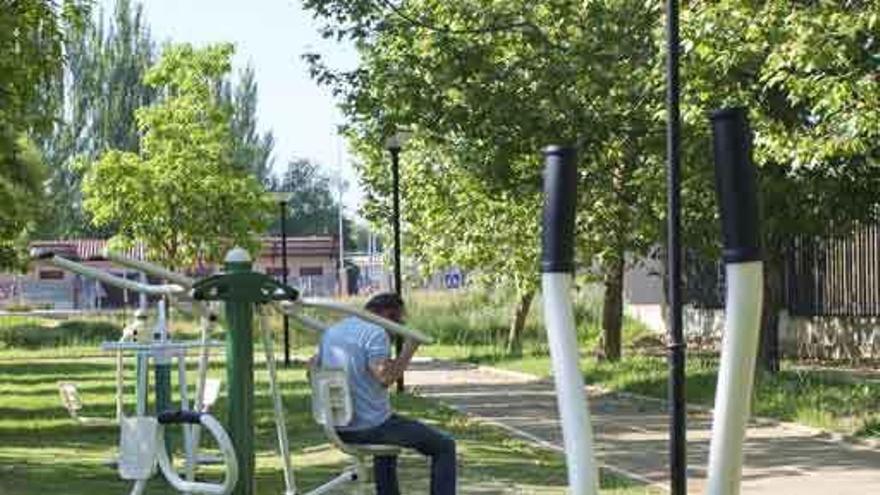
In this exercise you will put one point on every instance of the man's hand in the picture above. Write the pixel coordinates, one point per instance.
(388, 371)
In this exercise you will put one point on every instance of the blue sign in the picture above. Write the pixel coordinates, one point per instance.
(452, 279)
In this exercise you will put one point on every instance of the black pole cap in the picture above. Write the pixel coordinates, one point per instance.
(560, 198)
(735, 185)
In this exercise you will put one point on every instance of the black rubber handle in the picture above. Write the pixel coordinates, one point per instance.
(735, 185)
(179, 417)
(560, 199)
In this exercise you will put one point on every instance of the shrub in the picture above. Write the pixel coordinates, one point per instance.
(38, 334)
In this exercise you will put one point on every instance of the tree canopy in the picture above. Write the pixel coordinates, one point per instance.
(484, 85)
(182, 195)
(32, 33)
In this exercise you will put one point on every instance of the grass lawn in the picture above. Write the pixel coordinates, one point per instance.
(43, 451)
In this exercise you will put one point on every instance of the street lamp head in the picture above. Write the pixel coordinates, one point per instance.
(395, 142)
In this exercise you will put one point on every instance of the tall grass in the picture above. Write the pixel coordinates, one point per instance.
(479, 320)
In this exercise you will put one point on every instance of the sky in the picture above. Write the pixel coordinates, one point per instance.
(271, 36)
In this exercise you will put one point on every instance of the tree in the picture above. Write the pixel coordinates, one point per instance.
(808, 73)
(32, 34)
(21, 193)
(100, 89)
(251, 151)
(182, 196)
(485, 86)
(313, 208)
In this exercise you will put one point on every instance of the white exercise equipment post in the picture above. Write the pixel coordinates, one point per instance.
(737, 197)
(557, 266)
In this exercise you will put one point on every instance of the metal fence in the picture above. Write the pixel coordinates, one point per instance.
(835, 276)
(824, 276)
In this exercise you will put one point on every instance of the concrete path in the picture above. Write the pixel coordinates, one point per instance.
(632, 434)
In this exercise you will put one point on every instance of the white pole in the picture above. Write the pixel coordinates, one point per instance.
(736, 187)
(557, 267)
(735, 376)
(278, 406)
(577, 434)
(142, 296)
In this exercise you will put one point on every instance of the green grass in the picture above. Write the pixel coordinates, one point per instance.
(43, 451)
(480, 319)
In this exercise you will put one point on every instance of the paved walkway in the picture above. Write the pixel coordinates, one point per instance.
(632, 434)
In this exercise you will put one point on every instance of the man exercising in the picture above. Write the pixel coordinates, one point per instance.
(362, 349)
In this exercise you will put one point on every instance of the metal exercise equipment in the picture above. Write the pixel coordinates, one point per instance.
(557, 266)
(139, 451)
(736, 188)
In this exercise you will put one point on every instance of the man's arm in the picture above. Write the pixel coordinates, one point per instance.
(388, 371)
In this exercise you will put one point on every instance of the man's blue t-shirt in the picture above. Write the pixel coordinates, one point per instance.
(351, 345)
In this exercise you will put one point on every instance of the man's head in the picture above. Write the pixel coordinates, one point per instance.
(387, 305)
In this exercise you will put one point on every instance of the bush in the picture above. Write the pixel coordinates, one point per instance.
(482, 318)
(26, 307)
(39, 334)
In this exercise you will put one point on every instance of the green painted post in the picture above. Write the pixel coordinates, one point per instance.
(241, 288)
(240, 376)
(162, 370)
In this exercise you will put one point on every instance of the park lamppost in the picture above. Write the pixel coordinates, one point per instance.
(394, 144)
(283, 200)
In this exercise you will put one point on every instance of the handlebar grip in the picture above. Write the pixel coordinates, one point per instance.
(180, 417)
(735, 185)
(560, 198)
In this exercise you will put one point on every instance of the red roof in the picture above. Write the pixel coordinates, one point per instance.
(85, 249)
(92, 249)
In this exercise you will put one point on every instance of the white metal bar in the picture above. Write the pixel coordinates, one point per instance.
(163, 346)
(577, 433)
(143, 364)
(332, 306)
(110, 279)
(739, 348)
(347, 476)
(278, 405)
(189, 459)
(150, 269)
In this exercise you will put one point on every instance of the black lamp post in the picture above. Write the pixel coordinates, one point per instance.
(676, 348)
(283, 199)
(394, 144)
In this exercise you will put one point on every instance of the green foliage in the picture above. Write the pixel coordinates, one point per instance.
(485, 86)
(313, 208)
(808, 73)
(181, 195)
(478, 320)
(101, 88)
(21, 193)
(251, 151)
(32, 33)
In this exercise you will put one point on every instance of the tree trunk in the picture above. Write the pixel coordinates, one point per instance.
(612, 309)
(518, 322)
(768, 349)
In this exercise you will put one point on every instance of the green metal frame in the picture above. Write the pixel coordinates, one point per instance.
(240, 288)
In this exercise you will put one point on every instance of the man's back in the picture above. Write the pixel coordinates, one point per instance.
(351, 345)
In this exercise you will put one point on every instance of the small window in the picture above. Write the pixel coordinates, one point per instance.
(51, 275)
(311, 271)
